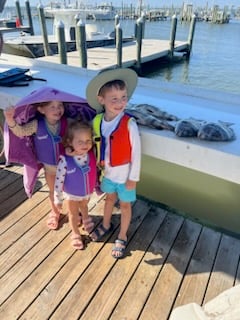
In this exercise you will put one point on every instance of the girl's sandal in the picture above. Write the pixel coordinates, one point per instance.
(77, 242)
(52, 221)
(88, 224)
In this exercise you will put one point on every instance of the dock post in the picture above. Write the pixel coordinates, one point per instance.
(46, 47)
(191, 34)
(119, 45)
(19, 15)
(29, 15)
(81, 43)
(143, 16)
(173, 35)
(61, 43)
(117, 20)
(139, 44)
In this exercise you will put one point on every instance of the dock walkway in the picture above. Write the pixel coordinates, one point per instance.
(105, 57)
(170, 261)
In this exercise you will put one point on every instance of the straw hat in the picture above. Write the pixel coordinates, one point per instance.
(127, 75)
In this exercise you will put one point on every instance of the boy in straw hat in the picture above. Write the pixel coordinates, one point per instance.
(118, 149)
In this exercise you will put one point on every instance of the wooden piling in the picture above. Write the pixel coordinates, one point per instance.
(119, 37)
(81, 43)
(29, 16)
(62, 49)
(117, 20)
(191, 34)
(19, 14)
(139, 44)
(173, 35)
(46, 47)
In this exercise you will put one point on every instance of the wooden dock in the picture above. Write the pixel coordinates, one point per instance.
(105, 57)
(170, 261)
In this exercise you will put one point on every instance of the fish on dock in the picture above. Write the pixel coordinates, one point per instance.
(153, 111)
(150, 121)
(216, 131)
(188, 127)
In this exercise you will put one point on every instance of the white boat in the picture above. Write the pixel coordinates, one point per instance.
(195, 177)
(104, 11)
(32, 46)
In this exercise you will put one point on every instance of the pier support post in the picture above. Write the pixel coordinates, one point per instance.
(81, 43)
(117, 20)
(29, 15)
(119, 45)
(46, 47)
(191, 34)
(18, 9)
(173, 35)
(139, 32)
(62, 50)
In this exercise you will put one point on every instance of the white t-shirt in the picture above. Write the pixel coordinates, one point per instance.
(131, 171)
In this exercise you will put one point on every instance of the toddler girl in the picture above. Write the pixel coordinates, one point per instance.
(76, 178)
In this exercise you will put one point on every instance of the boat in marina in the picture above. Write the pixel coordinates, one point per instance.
(195, 177)
(32, 46)
(103, 11)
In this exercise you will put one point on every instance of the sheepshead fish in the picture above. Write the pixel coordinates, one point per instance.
(153, 111)
(219, 131)
(188, 127)
(149, 121)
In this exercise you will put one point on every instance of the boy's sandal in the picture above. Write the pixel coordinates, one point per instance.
(88, 224)
(119, 248)
(52, 221)
(77, 242)
(100, 232)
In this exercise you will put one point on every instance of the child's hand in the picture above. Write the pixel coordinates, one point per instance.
(130, 185)
(9, 116)
(9, 113)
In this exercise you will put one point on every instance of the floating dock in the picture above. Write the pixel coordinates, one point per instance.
(105, 57)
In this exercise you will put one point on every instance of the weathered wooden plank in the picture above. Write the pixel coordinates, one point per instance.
(86, 287)
(104, 301)
(166, 287)
(141, 284)
(197, 276)
(19, 213)
(225, 267)
(46, 258)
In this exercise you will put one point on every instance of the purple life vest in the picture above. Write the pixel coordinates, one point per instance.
(80, 180)
(47, 145)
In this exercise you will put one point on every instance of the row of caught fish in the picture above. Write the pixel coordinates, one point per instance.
(153, 117)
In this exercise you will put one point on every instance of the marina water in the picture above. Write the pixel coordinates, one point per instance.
(214, 62)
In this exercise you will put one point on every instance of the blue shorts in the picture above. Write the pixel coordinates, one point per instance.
(124, 194)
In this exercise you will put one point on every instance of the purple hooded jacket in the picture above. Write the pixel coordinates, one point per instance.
(21, 150)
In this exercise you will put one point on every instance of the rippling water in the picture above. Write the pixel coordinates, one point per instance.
(214, 61)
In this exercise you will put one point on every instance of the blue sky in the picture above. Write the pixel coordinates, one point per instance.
(152, 3)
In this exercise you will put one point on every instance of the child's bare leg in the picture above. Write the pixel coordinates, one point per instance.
(50, 179)
(87, 221)
(73, 211)
(121, 242)
(54, 214)
(126, 216)
(105, 226)
(110, 201)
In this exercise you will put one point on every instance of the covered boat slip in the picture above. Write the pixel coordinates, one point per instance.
(170, 261)
(197, 178)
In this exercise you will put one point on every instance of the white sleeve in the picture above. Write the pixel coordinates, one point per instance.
(134, 173)
(59, 180)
